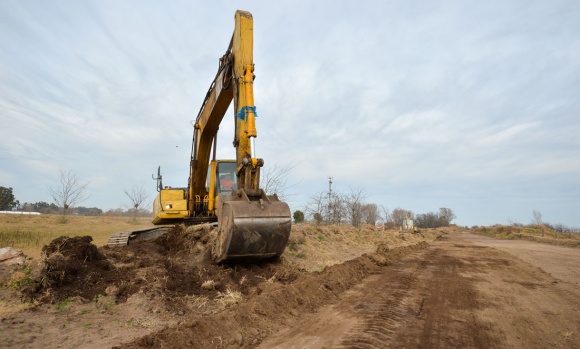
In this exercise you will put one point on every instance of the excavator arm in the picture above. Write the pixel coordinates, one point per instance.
(234, 81)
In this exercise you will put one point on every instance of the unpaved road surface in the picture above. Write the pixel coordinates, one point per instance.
(559, 261)
(464, 291)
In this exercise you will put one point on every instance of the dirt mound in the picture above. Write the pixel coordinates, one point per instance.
(174, 268)
(71, 267)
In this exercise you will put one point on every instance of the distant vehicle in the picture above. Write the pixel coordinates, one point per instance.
(20, 212)
(407, 225)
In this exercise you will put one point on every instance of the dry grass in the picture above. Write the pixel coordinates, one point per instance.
(312, 247)
(537, 233)
(31, 233)
(229, 297)
(209, 285)
(197, 302)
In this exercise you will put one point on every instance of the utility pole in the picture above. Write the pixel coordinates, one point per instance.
(329, 198)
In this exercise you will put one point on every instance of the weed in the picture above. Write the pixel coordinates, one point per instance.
(243, 280)
(22, 278)
(229, 297)
(63, 305)
(101, 306)
(208, 285)
(320, 237)
(144, 322)
(198, 301)
(272, 279)
(105, 307)
(567, 334)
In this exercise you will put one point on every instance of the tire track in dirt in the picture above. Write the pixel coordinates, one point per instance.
(368, 316)
(421, 301)
(383, 313)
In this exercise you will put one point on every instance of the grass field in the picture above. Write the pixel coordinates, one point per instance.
(31, 233)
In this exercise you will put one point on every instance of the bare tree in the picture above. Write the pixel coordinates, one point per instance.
(398, 214)
(370, 213)
(275, 180)
(336, 209)
(316, 206)
(430, 220)
(385, 217)
(446, 215)
(322, 210)
(537, 217)
(137, 194)
(69, 192)
(354, 202)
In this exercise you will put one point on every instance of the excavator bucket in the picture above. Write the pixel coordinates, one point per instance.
(252, 229)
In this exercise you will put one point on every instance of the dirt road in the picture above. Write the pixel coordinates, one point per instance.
(464, 291)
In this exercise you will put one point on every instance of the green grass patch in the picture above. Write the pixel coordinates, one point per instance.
(63, 305)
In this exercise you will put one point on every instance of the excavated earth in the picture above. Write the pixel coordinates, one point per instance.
(440, 288)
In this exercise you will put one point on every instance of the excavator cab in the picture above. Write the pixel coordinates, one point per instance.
(253, 227)
(225, 179)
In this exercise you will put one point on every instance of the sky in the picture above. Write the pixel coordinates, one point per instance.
(470, 105)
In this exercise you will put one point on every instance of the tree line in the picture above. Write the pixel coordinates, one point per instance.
(351, 208)
(323, 208)
(46, 208)
(68, 194)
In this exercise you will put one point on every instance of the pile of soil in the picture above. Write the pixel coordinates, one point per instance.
(170, 267)
(71, 267)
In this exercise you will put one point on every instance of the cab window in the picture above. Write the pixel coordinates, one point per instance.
(226, 173)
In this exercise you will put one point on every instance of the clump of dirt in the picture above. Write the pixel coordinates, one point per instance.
(71, 267)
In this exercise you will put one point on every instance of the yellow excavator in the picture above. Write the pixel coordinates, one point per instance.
(251, 224)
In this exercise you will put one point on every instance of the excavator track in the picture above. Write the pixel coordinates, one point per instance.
(123, 238)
